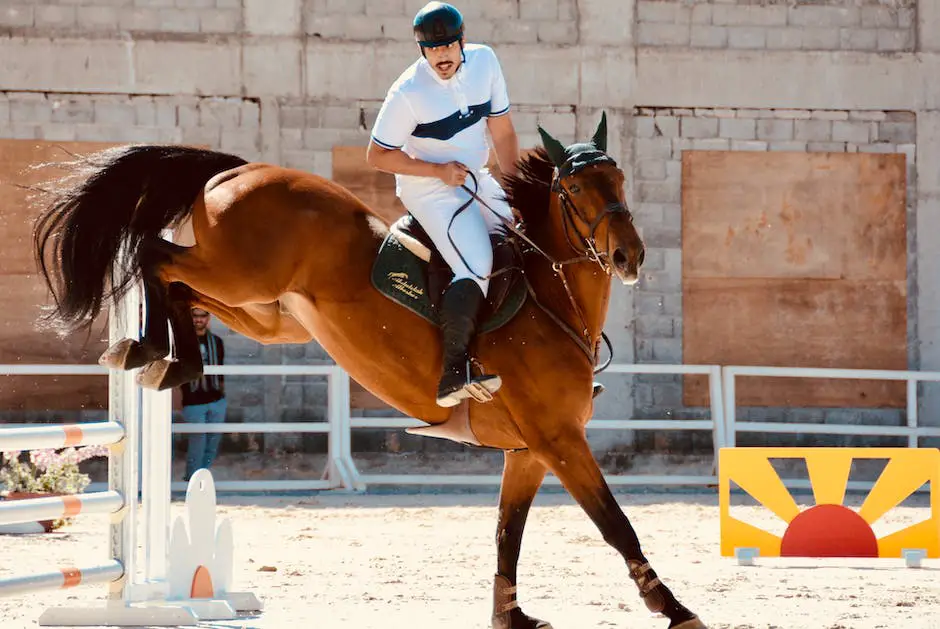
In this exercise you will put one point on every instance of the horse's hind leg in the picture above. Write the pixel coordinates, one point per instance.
(522, 477)
(154, 340)
(165, 374)
(570, 458)
(264, 323)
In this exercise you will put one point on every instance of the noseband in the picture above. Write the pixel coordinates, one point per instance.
(588, 248)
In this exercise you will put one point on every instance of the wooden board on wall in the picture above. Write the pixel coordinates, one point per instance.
(795, 259)
(23, 293)
(375, 188)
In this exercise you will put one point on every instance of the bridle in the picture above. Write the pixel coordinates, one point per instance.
(587, 253)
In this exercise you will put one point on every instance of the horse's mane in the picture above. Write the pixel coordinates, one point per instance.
(529, 190)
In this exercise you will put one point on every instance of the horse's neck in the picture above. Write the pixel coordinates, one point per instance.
(588, 283)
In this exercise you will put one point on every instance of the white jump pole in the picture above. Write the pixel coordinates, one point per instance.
(123, 409)
(183, 576)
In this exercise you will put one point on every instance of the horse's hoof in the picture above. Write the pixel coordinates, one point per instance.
(129, 354)
(116, 356)
(517, 619)
(506, 611)
(154, 375)
(692, 623)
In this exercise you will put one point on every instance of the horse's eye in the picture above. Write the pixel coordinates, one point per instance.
(574, 188)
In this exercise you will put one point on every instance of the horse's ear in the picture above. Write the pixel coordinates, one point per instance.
(553, 147)
(600, 135)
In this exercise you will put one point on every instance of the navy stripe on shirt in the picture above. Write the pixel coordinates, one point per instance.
(446, 128)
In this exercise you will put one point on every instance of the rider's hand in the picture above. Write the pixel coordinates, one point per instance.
(452, 173)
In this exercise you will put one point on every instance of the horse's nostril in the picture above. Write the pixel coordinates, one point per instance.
(619, 258)
(641, 258)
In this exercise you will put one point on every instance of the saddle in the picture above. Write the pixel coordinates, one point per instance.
(409, 270)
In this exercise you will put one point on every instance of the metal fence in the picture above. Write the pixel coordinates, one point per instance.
(341, 471)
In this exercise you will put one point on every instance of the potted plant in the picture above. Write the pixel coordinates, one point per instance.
(42, 473)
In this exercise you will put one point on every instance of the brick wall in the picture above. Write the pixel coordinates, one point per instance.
(286, 80)
(496, 21)
(870, 25)
(229, 124)
(154, 16)
(661, 136)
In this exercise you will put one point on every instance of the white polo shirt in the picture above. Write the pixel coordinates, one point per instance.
(438, 120)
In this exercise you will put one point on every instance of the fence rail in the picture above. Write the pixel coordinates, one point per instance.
(341, 470)
(912, 430)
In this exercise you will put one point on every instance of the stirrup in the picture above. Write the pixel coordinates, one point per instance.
(480, 389)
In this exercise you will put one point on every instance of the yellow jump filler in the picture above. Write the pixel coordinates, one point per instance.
(829, 528)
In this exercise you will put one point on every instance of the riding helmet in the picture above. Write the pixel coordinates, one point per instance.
(438, 24)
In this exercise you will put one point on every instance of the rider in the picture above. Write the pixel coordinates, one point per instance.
(431, 132)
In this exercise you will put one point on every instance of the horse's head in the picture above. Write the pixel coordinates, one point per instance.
(594, 211)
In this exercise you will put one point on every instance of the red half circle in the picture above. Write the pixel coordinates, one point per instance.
(829, 531)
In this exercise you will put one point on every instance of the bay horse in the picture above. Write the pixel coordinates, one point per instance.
(284, 256)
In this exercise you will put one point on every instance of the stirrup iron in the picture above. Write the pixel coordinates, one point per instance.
(480, 389)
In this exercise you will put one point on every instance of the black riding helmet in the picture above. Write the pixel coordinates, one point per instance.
(438, 24)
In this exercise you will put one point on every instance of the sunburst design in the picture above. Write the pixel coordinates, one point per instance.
(829, 529)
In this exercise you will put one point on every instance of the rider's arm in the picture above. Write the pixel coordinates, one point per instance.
(393, 126)
(399, 162)
(505, 142)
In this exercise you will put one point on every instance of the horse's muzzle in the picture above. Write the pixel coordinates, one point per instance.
(626, 271)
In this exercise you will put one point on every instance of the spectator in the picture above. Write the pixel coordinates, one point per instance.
(204, 399)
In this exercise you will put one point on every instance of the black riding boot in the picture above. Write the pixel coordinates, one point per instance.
(460, 306)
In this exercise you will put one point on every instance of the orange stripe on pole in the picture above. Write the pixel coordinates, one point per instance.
(73, 435)
(71, 506)
(71, 577)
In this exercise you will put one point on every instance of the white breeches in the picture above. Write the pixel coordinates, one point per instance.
(435, 204)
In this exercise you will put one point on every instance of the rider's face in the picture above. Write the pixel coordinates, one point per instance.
(444, 59)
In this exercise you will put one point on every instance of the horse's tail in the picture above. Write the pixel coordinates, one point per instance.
(87, 241)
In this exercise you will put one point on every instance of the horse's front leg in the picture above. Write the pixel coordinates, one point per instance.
(522, 477)
(567, 454)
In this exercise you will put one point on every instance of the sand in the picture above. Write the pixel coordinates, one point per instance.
(426, 560)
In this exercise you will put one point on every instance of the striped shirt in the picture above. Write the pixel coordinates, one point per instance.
(437, 120)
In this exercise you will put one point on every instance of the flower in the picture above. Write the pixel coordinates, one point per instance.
(48, 471)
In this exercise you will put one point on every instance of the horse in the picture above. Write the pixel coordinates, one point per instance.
(284, 256)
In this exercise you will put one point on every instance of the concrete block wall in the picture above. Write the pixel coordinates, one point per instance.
(285, 81)
(870, 25)
(111, 16)
(228, 124)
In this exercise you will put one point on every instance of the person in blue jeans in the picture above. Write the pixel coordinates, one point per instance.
(204, 399)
